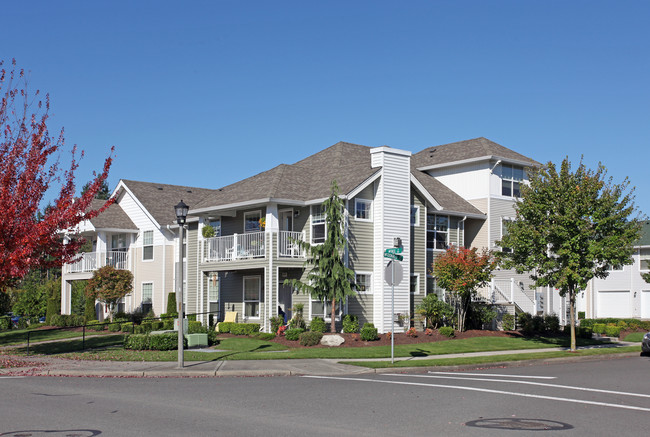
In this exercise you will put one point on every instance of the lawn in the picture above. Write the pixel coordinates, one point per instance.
(19, 336)
(635, 337)
(244, 348)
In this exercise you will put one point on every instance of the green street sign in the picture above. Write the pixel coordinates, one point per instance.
(394, 250)
(394, 256)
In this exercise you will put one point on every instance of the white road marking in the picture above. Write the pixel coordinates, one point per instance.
(641, 395)
(11, 377)
(493, 374)
(484, 390)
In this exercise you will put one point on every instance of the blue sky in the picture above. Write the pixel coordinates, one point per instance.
(205, 93)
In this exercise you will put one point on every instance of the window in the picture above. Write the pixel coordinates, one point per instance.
(318, 224)
(216, 225)
(611, 268)
(504, 231)
(213, 287)
(437, 232)
(415, 283)
(118, 242)
(252, 221)
(433, 288)
(147, 245)
(252, 289)
(362, 209)
(147, 296)
(645, 259)
(319, 308)
(415, 215)
(363, 283)
(511, 179)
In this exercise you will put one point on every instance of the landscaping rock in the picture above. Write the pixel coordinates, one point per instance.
(332, 340)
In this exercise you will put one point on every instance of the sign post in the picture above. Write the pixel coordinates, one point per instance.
(393, 278)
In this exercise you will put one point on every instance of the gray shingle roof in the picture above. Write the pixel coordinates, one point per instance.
(308, 179)
(159, 199)
(113, 217)
(463, 150)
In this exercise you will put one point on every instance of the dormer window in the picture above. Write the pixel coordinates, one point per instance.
(512, 176)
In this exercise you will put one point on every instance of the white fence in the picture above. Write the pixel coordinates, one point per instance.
(91, 261)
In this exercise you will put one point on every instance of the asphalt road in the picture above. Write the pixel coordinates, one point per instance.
(601, 398)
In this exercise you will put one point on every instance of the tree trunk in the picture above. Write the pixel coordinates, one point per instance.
(572, 304)
(333, 317)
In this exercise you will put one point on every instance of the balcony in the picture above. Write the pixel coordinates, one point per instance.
(250, 246)
(91, 261)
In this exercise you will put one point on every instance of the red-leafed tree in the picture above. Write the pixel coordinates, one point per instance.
(29, 166)
(461, 272)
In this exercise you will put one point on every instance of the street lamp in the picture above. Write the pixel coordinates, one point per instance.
(181, 215)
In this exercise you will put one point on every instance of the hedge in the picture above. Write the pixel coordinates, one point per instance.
(239, 328)
(5, 323)
(310, 338)
(158, 342)
(369, 332)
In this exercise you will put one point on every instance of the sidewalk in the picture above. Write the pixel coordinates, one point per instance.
(48, 366)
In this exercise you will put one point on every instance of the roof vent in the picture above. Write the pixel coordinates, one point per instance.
(189, 191)
(160, 188)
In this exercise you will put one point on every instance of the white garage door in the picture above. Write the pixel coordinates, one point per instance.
(645, 304)
(614, 304)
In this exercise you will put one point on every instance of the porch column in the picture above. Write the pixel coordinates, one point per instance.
(272, 221)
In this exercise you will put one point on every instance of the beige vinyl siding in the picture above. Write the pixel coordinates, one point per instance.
(147, 271)
(360, 245)
(499, 209)
(476, 233)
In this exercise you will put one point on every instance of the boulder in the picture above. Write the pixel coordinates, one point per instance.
(332, 340)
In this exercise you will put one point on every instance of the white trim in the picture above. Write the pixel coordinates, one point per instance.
(259, 297)
(363, 185)
(121, 184)
(417, 283)
(477, 159)
(148, 245)
(368, 282)
(417, 215)
(367, 202)
(425, 192)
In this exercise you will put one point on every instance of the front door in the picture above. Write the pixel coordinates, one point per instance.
(286, 220)
(284, 299)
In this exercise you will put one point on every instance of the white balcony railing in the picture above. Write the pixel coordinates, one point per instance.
(250, 246)
(512, 292)
(91, 261)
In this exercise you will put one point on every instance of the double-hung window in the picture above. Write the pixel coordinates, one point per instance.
(323, 309)
(147, 246)
(363, 283)
(437, 232)
(512, 177)
(318, 217)
(147, 297)
(363, 209)
(252, 291)
(415, 283)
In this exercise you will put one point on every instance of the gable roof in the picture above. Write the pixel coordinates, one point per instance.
(113, 217)
(446, 198)
(159, 199)
(468, 150)
(309, 179)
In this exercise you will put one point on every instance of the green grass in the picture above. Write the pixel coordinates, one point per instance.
(635, 336)
(245, 348)
(66, 347)
(492, 359)
(19, 336)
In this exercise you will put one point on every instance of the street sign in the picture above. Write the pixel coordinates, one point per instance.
(393, 276)
(394, 250)
(390, 255)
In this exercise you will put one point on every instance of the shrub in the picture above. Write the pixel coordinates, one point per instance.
(127, 327)
(551, 323)
(508, 322)
(599, 328)
(22, 323)
(612, 330)
(114, 327)
(447, 331)
(428, 331)
(239, 328)
(191, 317)
(411, 332)
(165, 342)
(369, 332)
(434, 311)
(95, 325)
(168, 324)
(212, 337)
(318, 325)
(350, 324)
(5, 323)
(310, 338)
(147, 326)
(293, 334)
(479, 315)
(297, 321)
(66, 320)
(157, 325)
(171, 305)
(581, 331)
(137, 342)
(581, 315)
(276, 322)
(89, 309)
(139, 329)
(194, 327)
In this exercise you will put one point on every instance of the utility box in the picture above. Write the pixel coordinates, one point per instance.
(197, 340)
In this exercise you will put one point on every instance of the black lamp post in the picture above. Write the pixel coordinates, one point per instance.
(181, 215)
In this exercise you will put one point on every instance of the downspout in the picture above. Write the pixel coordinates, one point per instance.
(463, 223)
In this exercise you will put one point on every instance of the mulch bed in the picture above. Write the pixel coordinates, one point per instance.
(353, 340)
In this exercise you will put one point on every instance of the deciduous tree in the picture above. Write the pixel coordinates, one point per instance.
(328, 279)
(29, 167)
(570, 226)
(462, 272)
(109, 285)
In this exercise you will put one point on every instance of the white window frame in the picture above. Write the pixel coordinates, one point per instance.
(435, 231)
(611, 268)
(368, 283)
(366, 208)
(417, 283)
(512, 180)
(257, 228)
(415, 215)
(644, 258)
(142, 299)
(503, 228)
(259, 296)
(322, 221)
(326, 306)
(145, 245)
